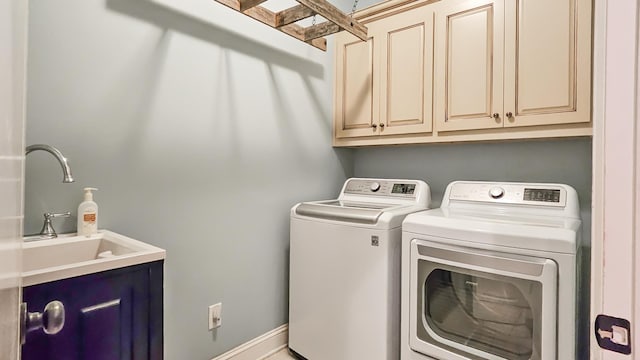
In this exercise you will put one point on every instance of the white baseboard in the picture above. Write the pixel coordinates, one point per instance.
(260, 347)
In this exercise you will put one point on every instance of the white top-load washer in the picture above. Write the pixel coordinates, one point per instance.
(492, 274)
(344, 291)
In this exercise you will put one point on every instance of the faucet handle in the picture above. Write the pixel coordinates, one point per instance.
(49, 216)
(47, 229)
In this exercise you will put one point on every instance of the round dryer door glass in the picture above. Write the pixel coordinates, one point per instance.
(487, 312)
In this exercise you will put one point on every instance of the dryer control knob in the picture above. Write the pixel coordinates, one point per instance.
(496, 192)
(375, 187)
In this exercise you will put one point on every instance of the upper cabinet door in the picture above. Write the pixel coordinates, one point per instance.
(547, 62)
(354, 112)
(406, 71)
(469, 65)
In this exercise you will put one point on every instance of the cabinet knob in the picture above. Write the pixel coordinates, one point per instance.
(51, 320)
(381, 125)
(509, 114)
(374, 126)
(496, 116)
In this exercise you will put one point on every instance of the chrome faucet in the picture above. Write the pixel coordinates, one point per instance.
(47, 231)
(66, 170)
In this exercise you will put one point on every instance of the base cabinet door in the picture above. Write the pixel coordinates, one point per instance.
(115, 314)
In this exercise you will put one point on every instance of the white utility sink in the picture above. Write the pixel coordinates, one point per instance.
(71, 255)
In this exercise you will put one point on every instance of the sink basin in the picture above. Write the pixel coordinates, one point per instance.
(71, 255)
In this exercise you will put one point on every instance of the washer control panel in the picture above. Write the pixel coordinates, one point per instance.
(403, 189)
(526, 194)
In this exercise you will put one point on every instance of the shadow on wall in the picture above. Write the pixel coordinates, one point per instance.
(169, 18)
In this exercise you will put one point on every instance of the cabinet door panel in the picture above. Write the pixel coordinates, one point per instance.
(469, 53)
(406, 80)
(547, 66)
(107, 316)
(354, 87)
(101, 328)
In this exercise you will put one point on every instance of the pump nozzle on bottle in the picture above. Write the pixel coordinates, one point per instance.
(88, 195)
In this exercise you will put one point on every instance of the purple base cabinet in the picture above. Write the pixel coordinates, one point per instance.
(111, 315)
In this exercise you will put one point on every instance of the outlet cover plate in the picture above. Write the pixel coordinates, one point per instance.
(215, 316)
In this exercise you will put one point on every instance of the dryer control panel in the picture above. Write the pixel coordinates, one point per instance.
(375, 187)
(526, 194)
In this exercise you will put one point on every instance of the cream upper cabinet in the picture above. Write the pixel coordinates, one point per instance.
(469, 68)
(512, 63)
(547, 62)
(465, 70)
(406, 72)
(354, 103)
(384, 85)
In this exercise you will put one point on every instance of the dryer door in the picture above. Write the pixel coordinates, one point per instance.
(475, 304)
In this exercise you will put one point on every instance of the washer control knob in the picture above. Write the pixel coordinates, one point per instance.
(375, 186)
(496, 192)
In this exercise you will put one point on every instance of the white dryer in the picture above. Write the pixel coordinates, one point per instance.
(492, 274)
(344, 290)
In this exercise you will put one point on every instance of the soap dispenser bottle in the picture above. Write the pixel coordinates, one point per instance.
(88, 214)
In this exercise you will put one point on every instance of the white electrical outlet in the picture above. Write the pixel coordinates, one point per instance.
(215, 316)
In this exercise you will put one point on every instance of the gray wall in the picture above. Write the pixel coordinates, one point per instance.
(201, 128)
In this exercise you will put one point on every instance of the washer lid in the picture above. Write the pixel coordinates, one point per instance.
(357, 212)
(550, 234)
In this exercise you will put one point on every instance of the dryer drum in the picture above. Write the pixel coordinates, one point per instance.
(487, 314)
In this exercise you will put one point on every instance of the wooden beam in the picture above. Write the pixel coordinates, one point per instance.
(293, 14)
(248, 4)
(333, 14)
(298, 32)
(320, 43)
(293, 30)
(234, 4)
(268, 17)
(284, 21)
(261, 14)
(321, 30)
